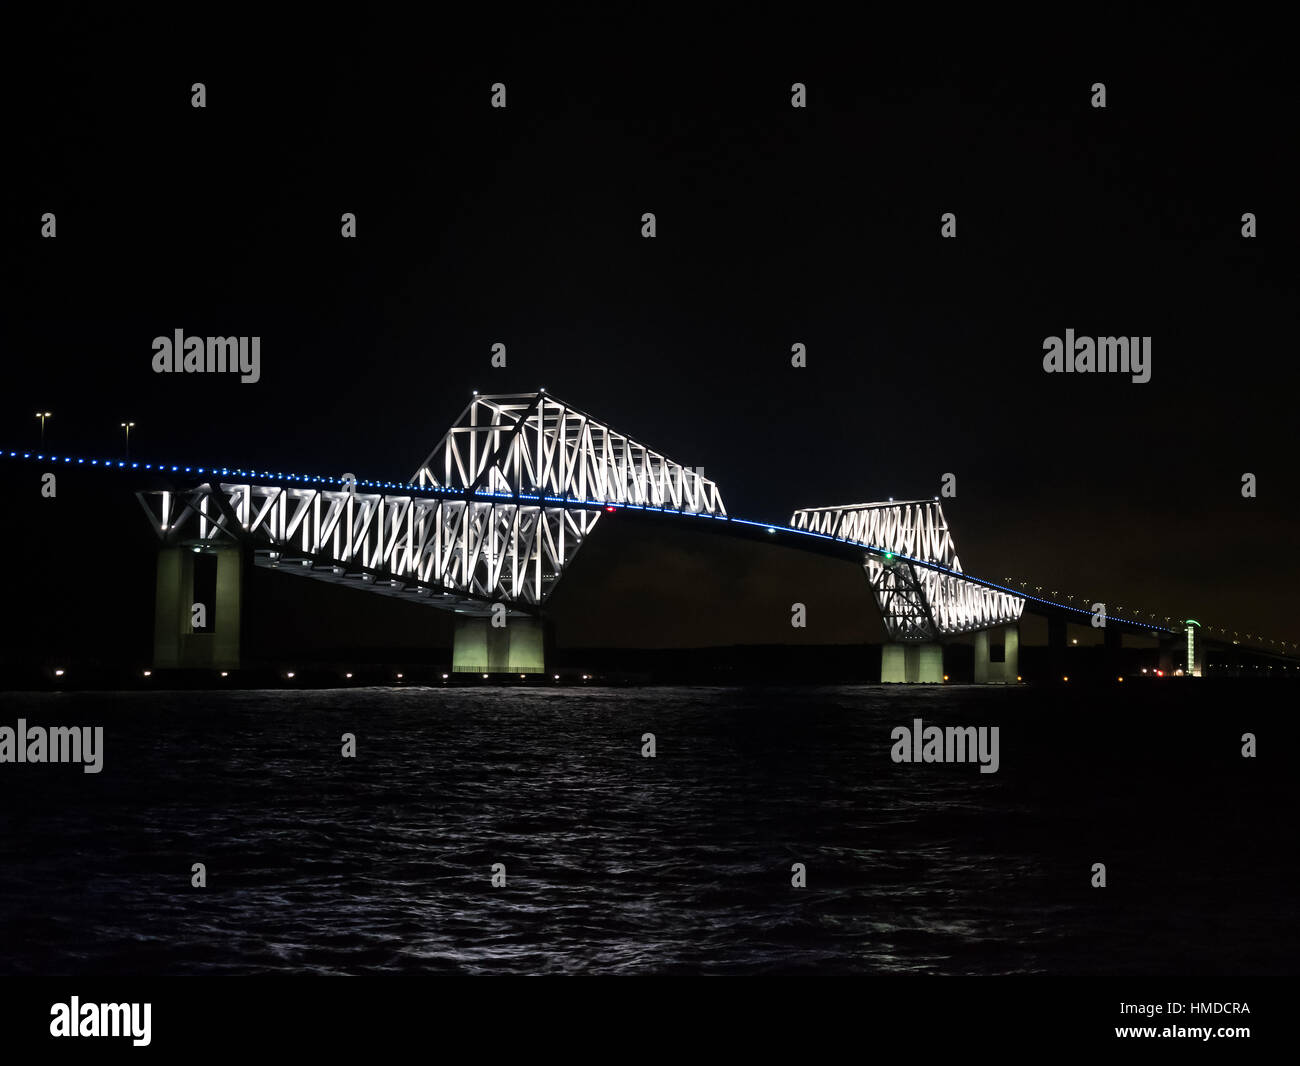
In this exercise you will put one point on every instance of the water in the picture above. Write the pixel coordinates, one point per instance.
(678, 864)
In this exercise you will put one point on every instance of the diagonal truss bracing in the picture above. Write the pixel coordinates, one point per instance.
(917, 601)
(500, 507)
(534, 444)
(495, 514)
(471, 550)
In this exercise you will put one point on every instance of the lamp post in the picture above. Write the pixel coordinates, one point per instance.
(127, 426)
(43, 415)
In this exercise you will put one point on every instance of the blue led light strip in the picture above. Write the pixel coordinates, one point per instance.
(412, 490)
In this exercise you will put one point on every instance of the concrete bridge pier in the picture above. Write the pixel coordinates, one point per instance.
(997, 656)
(205, 574)
(911, 663)
(518, 647)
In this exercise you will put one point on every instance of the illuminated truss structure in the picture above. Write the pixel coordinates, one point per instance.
(913, 568)
(496, 512)
(534, 444)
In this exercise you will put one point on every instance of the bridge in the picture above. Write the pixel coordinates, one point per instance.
(494, 516)
(490, 522)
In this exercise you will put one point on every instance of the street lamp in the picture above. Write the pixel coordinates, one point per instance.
(127, 426)
(43, 415)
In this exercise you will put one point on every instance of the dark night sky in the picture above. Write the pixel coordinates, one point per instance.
(776, 225)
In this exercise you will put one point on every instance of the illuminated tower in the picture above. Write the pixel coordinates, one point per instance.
(1193, 665)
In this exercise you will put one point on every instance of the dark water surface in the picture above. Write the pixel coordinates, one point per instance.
(677, 864)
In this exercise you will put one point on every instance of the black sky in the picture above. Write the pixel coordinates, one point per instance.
(775, 225)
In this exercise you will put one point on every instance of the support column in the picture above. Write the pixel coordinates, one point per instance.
(991, 671)
(929, 663)
(893, 664)
(1011, 653)
(911, 663)
(518, 647)
(171, 615)
(176, 645)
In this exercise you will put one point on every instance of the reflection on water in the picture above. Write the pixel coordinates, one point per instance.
(676, 864)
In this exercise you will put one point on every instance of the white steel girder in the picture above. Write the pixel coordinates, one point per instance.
(489, 550)
(917, 602)
(496, 513)
(502, 504)
(533, 444)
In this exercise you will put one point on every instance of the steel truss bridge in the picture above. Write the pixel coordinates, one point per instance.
(501, 506)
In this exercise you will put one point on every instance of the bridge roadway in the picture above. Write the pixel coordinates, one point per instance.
(492, 518)
(496, 512)
(184, 479)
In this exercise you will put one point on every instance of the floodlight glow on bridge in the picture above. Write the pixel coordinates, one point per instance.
(504, 501)
(917, 602)
(495, 513)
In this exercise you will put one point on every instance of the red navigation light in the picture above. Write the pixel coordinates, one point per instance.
(611, 510)
(1160, 673)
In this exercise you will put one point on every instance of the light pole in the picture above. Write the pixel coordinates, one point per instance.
(42, 415)
(127, 426)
